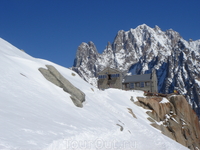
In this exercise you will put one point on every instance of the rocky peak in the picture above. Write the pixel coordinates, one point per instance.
(142, 27)
(85, 52)
(157, 28)
(173, 36)
(142, 49)
(109, 45)
(92, 47)
(118, 41)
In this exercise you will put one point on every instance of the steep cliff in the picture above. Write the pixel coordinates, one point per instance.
(174, 117)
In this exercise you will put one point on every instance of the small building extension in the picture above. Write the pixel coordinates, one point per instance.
(144, 82)
(109, 78)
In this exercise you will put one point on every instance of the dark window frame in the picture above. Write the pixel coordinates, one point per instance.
(142, 84)
(131, 85)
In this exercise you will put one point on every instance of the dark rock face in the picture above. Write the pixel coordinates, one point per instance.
(139, 51)
(86, 53)
(52, 75)
(176, 119)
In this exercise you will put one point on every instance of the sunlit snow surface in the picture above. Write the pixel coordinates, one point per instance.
(36, 114)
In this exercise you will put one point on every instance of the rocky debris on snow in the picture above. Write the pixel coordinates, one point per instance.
(132, 99)
(131, 112)
(54, 76)
(174, 117)
(121, 127)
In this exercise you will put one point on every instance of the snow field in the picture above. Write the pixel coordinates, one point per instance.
(36, 114)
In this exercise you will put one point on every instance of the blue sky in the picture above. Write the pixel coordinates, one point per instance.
(53, 29)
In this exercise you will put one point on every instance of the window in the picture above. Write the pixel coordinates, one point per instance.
(131, 85)
(137, 84)
(114, 75)
(109, 77)
(127, 85)
(102, 76)
(141, 84)
(147, 84)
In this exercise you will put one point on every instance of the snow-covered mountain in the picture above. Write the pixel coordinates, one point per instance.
(37, 114)
(138, 51)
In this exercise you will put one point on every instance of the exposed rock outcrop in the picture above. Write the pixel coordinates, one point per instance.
(54, 76)
(174, 117)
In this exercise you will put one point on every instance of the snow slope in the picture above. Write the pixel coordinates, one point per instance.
(36, 114)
